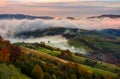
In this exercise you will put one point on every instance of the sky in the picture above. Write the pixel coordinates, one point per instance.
(62, 8)
(57, 0)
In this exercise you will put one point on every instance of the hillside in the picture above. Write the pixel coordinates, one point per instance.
(27, 63)
(69, 56)
(103, 45)
(106, 16)
(58, 61)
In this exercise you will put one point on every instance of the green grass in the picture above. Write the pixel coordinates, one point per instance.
(11, 72)
(105, 73)
(79, 44)
(100, 71)
(107, 67)
(79, 59)
(99, 65)
(52, 52)
(109, 45)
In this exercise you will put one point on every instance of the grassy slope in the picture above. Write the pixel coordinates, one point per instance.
(42, 54)
(52, 52)
(81, 60)
(49, 57)
(79, 44)
(108, 45)
(103, 66)
(104, 44)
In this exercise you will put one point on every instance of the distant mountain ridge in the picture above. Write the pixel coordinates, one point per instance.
(73, 31)
(106, 16)
(22, 16)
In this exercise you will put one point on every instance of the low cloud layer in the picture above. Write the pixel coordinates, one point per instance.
(11, 27)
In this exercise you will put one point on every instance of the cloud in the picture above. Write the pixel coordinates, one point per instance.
(8, 28)
(55, 41)
(59, 0)
(46, 1)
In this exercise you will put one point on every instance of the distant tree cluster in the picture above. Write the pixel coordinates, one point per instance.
(42, 44)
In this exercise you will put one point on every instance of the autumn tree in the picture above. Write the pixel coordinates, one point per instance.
(15, 53)
(4, 54)
(66, 54)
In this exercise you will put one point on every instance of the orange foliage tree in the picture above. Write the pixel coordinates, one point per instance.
(4, 54)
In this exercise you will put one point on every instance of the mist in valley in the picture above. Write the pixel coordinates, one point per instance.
(8, 29)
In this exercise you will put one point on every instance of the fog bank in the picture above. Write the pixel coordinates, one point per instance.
(8, 28)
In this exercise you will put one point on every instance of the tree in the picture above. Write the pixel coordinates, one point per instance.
(66, 54)
(15, 53)
(1, 38)
(37, 72)
(83, 72)
(4, 54)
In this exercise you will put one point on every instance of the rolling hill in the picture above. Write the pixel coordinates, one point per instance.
(35, 63)
(102, 45)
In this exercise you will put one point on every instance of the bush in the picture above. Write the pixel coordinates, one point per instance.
(90, 62)
(37, 72)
